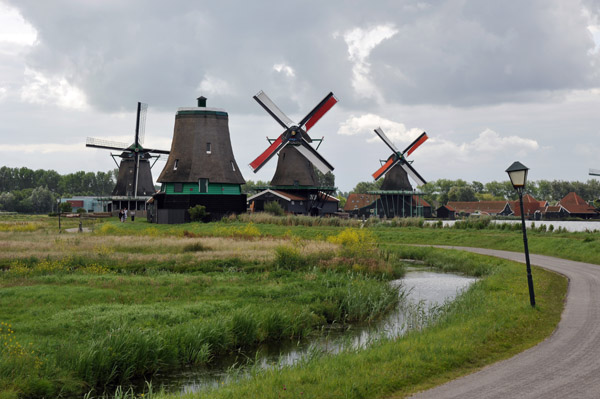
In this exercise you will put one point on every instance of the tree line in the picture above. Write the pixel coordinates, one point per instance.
(35, 191)
(439, 192)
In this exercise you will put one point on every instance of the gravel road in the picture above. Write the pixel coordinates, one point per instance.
(566, 365)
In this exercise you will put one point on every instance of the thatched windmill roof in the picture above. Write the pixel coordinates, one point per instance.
(201, 148)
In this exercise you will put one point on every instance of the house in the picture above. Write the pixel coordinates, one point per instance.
(361, 204)
(320, 204)
(387, 205)
(533, 208)
(446, 212)
(477, 208)
(577, 207)
(555, 212)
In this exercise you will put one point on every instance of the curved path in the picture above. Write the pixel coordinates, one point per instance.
(566, 365)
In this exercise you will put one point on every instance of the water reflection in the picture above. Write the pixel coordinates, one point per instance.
(423, 288)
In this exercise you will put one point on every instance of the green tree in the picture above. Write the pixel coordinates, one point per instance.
(41, 200)
(461, 193)
(324, 179)
(363, 187)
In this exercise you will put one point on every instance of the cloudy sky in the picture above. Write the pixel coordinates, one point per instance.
(491, 82)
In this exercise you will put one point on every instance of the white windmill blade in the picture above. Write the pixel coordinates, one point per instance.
(413, 173)
(314, 158)
(594, 172)
(273, 109)
(385, 139)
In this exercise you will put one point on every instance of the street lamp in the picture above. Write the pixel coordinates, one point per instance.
(518, 177)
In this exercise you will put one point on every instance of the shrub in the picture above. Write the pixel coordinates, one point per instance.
(198, 213)
(289, 258)
(81, 210)
(274, 208)
(358, 243)
(66, 207)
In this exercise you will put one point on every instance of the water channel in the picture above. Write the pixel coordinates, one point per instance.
(419, 288)
(569, 225)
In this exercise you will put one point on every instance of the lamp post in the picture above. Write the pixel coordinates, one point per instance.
(518, 177)
(58, 208)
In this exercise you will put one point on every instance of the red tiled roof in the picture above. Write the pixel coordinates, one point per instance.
(530, 206)
(357, 201)
(420, 201)
(573, 203)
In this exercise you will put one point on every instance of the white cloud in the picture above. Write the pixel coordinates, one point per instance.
(3, 93)
(40, 89)
(360, 43)
(595, 32)
(365, 124)
(213, 85)
(14, 29)
(487, 146)
(286, 69)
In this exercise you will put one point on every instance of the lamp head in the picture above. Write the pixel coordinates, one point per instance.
(518, 175)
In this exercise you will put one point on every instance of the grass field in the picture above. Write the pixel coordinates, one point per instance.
(91, 311)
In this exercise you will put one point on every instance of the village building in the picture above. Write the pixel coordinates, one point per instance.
(446, 212)
(295, 203)
(479, 208)
(360, 205)
(577, 207)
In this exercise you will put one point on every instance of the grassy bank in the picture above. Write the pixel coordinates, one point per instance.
(93, 310)
(492, 321)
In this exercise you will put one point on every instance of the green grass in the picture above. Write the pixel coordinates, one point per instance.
(135, 298)
(88, 324)
(492, 321)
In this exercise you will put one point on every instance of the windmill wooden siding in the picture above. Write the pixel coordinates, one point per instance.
(201, 168)
(190, 159)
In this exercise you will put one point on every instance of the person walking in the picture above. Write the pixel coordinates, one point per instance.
(121, 215)
(125, 215)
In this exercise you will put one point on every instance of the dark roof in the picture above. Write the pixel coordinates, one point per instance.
(291, 197)
(482, 207)
(293, 169)
(396, 179)
(190, 160)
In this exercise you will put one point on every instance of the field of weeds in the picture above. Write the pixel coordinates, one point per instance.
(92, 311)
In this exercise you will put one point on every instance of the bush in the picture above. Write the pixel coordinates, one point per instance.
(81, 210)
(198, 213)
(66, 207)
(274, 208)
(289, 258)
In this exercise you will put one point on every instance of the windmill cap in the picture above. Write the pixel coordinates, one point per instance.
(201, 101)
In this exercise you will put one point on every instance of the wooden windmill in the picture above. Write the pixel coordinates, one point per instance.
(201, 168)
(397, 198)
(294, 176)
(135, 177)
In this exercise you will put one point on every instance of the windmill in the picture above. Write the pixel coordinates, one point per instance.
(294, 175)
(134, 178)
(201, 168)
(397, 196)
